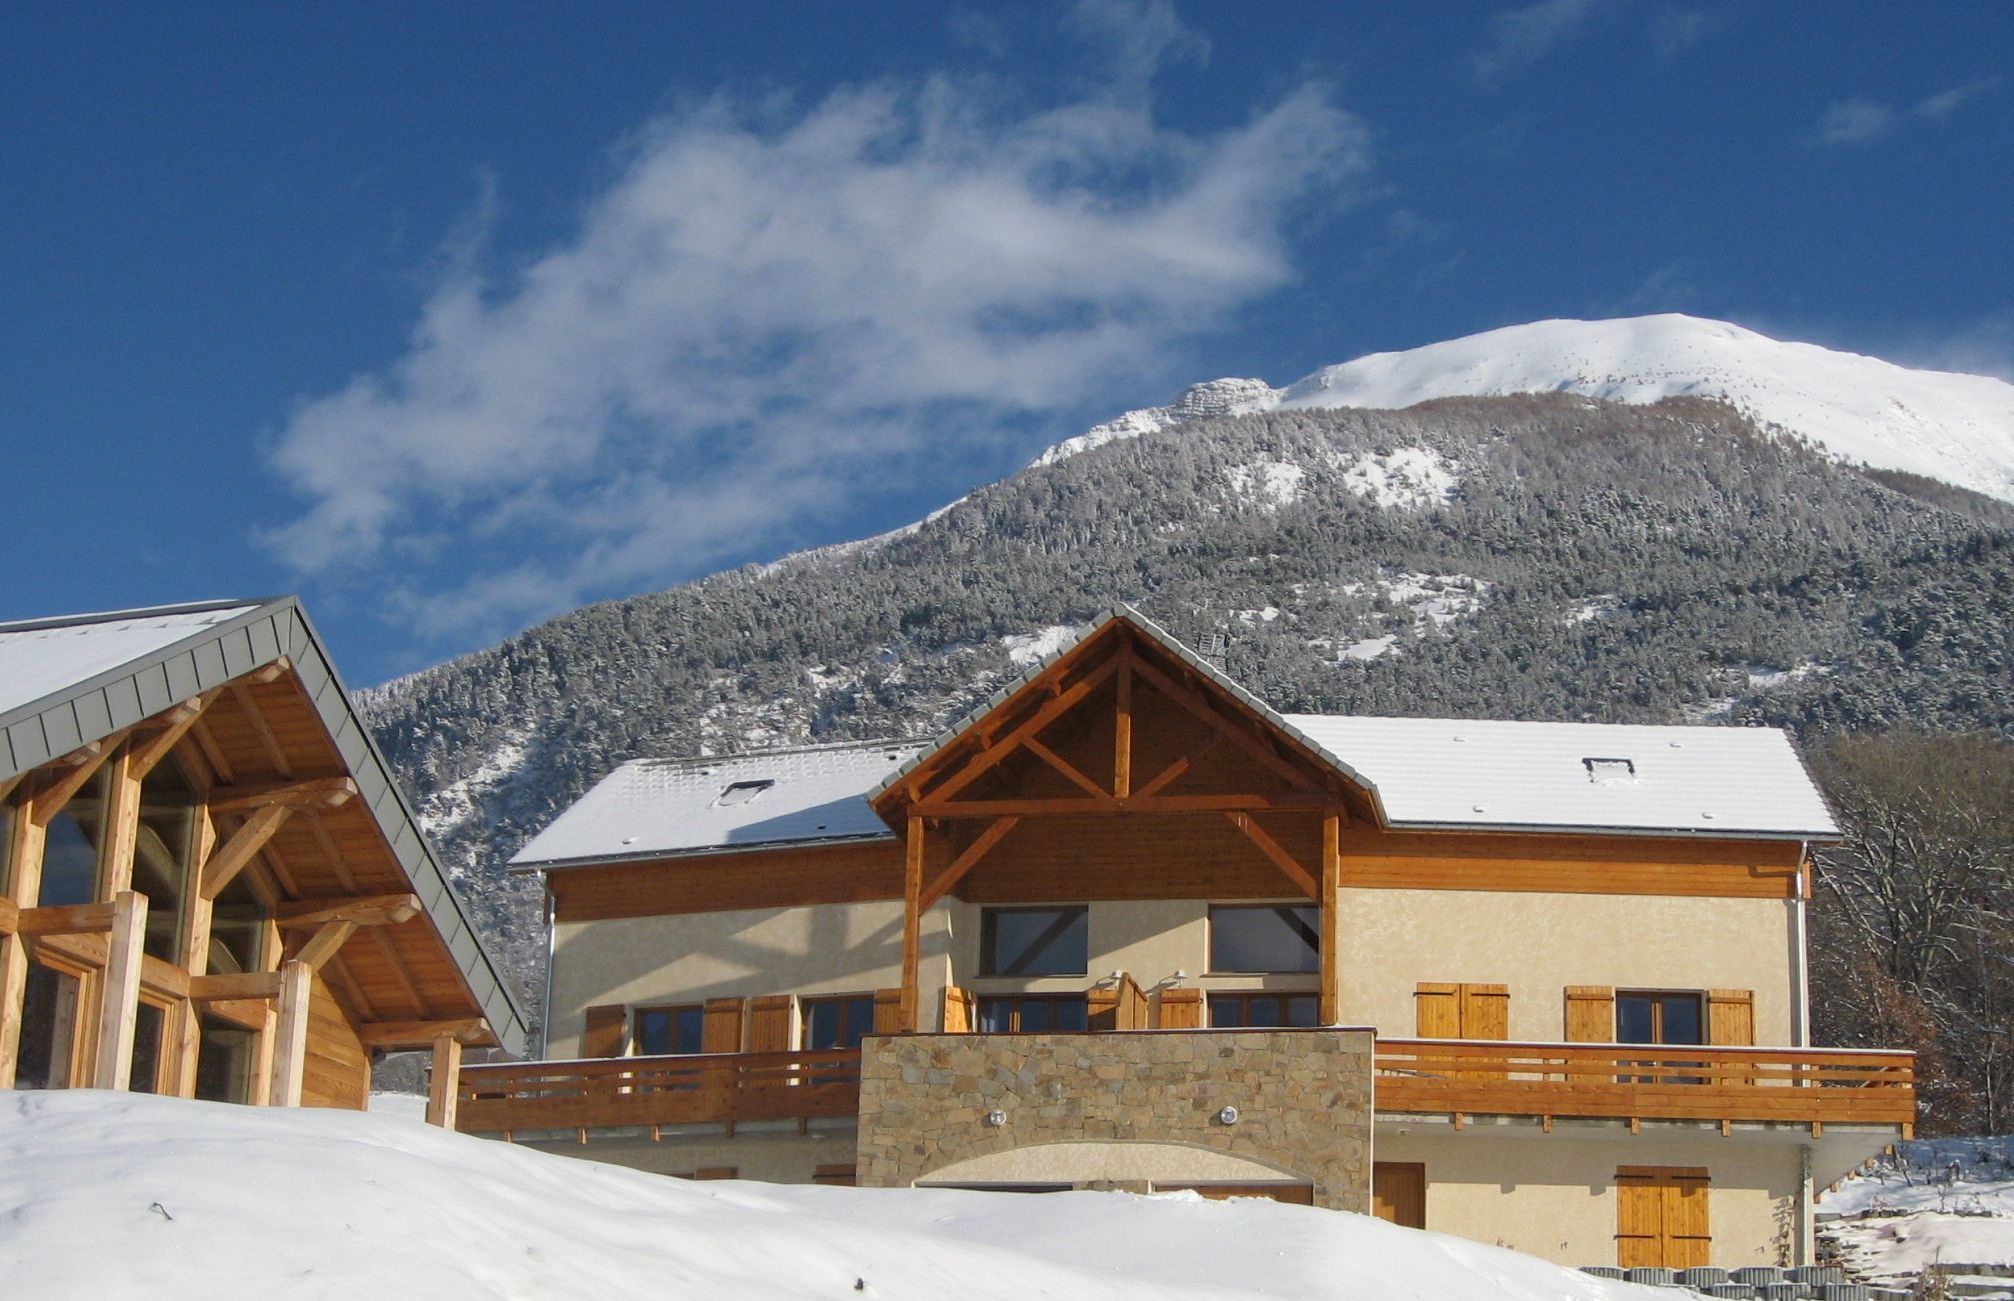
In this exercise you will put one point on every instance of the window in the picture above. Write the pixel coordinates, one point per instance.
(742, 792)
(1280, 937)
(1610, 772)
(48, 1028)
(70, 851)
(838, 1022)
(1034, 942)
(225, 1058)
(1658, 1018)
(1259, 1009)
(667, 1031)
(161, 854)
(1033, 1014)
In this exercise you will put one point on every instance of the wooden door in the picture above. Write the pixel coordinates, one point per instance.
(1660, 1217)
(1399, 1192)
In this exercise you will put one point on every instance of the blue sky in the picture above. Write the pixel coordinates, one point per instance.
(452, 317)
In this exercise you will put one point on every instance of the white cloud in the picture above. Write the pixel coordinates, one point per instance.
(1859, 121)
(773, 309)
(1524, 36)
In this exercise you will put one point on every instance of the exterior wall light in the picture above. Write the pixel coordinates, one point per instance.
(995, 1119)
(1228, 1116)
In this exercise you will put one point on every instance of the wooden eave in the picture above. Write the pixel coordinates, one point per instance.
(277, 728)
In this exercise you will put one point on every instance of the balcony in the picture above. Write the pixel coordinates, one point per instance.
(650, 1092)
(1813, 1087)
(1632, 1082)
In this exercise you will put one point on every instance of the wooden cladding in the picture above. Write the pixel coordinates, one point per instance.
(782, 878)
(961, 1011)
(1661, 1217)
(1562, 864)
(1462, 1011)
(888, 1011)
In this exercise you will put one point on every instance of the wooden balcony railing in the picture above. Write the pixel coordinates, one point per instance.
(1640, 1082)
(721, 1088)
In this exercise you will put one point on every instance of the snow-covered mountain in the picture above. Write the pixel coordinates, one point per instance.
(1938, 424)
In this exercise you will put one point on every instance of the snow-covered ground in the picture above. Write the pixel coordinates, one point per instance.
(1944, 425)
(1947, 1202)
(109, 1195)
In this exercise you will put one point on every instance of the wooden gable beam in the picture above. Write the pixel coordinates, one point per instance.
(272, 672)
(1065, 767)
(1281, 859)
(168, 730)
(1173, 772)
(1138, 804)
(314, 793)
(62, 779)
(421, 1034)
(1122, 725)
(67, 919)
(235, 985)
(324, 943)
(981, 764)
(358, 910)
(1196, 704)
(966, 861)
(231, 857)
(255, 719)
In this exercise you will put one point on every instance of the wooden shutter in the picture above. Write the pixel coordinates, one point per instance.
(602, 1035)
(1437, 1010)
(1730, 1017)
(1399, 1192)
(769, 1024)
(1181, 1009)
(1101, 1008)
(1590, 1014)
(1661, 1217)
(960, 1011)
(1485, 1011)
(721, 1032)
(888, 1011)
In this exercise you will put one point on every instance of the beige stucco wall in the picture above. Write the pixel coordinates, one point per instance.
(1553, 1195)
(830, 949)
(1538, 944)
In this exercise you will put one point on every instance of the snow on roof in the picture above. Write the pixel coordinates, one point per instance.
(1722, 781)
(651, 808)
(43, 657)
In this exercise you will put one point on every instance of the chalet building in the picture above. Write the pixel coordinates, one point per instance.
(1128, 927)
(210, 887)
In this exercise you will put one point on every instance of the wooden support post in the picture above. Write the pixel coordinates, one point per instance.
(290, 1046)
(122, 825)
(193, 946)
(444, 1084)
(119, 992)
(1122, 728)
(912, 926)
(13, 984)
(324, 944)
(1332, 920)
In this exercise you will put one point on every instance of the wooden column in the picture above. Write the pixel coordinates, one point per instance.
(21, 876)
(444, 1084)
(264, 1046)
(119, 991)
(912, 925)
(122, 826)
(290, 1047)
(1331, 918)
(192, 946)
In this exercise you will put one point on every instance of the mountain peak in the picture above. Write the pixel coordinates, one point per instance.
(1941, 425)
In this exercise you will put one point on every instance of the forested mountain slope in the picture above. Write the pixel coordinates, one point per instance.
(1547, 557)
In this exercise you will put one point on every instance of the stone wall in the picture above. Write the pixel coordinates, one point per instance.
(1303, 1100)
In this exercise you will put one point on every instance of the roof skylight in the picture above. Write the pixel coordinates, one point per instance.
(743, 792)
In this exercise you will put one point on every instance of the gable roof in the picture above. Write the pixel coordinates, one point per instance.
(1167, 641)
(1477, 775)
(659, 808)
(69, 681)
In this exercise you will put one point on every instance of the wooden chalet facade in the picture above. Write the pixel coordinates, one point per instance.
(210, 887)
(1126, 926)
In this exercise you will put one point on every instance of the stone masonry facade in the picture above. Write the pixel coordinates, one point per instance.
(1302, 1098)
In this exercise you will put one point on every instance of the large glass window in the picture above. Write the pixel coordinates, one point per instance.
(1268, 938)
(237, 928)
(161, 854)
(1034, 942)
(662, 1031)
(48, 1028)
(1033, 1014)
(1257, 1009)
(70, 853)
(224, 1061)
(149, 1028)
(838, 1022)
